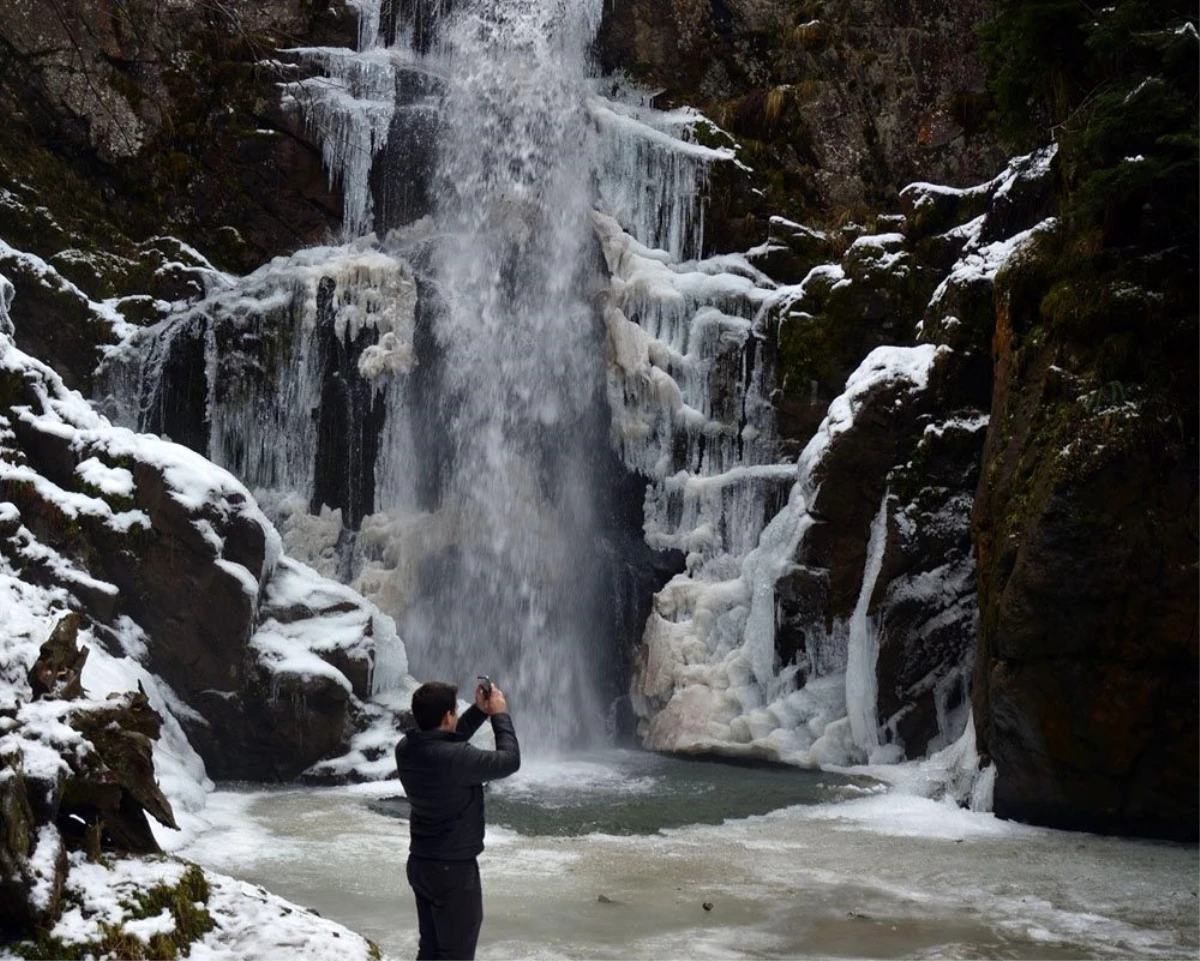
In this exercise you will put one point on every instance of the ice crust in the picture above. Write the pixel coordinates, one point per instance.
(710, 682)
(349, 106)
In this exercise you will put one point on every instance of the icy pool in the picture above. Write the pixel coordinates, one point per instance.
(595, 858)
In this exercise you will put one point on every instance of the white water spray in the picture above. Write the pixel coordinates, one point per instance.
(521, 373)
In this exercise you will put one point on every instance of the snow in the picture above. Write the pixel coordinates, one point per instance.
(1029, 167)
(337, 619)
(970, 425)
(191, 480)
(248, 921)
(910, 366)
(53, 280)
(885, 252)
(984, 263)
(43, 865)
(252, 923)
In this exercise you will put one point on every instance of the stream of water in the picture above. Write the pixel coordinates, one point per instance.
(603, 856)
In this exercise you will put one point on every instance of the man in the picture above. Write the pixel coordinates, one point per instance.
(443, 778)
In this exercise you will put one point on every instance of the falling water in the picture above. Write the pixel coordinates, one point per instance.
(521, 369)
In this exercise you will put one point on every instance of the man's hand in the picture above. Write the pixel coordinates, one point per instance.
(496, 704)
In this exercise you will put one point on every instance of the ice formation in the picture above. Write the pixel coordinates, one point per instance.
(710, 681)
(350, 105)
(259, 423)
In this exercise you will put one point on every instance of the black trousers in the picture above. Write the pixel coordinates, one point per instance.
(449, 907)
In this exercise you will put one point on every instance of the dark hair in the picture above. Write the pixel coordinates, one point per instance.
(431, 701)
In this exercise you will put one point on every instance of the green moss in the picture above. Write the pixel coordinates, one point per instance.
(186, 901)
(191, 922)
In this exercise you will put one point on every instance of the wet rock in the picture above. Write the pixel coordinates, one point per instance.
(116, 784)
(57, 672)
(801, 606)
(17, 837)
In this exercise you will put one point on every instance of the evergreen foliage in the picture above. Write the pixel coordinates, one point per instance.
(1116, 86)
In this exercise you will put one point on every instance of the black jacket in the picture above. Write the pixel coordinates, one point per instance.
(443, 778)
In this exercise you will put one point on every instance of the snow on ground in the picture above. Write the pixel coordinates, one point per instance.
(246, 920)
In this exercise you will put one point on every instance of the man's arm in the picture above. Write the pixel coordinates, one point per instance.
(470, 721)
(473, 766)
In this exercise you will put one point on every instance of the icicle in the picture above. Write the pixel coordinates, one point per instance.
(862, 695)
(350, 111)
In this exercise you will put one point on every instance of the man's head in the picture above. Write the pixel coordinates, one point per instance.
(431, 702)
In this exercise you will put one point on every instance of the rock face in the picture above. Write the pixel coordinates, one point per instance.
(837, 104)
(1085, 686)
(112, 140)
(116, 106)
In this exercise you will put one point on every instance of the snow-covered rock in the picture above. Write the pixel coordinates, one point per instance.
(165, 907)
(132, 530)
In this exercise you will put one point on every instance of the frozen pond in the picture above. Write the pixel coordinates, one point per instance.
(599, 858)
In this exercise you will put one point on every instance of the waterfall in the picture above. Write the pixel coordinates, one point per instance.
(445, 410)
(521, 374)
